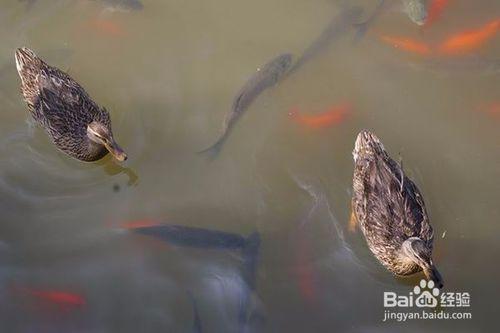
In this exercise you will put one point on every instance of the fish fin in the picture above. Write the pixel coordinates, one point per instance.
(363, 27)
(213, 151)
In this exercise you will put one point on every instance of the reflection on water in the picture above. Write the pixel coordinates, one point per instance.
(279, 196)
(112, 168)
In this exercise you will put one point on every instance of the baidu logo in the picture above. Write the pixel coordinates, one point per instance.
(426, 301)
(426, 295)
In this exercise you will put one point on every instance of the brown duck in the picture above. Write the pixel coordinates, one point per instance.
(390, 211)
(73, 121)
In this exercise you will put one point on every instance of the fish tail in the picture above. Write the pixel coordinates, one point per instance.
(213, 151)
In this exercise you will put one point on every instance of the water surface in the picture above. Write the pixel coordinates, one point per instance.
(168, 74)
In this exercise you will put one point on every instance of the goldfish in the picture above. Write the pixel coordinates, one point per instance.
(107, 27)
(139, 224)
(469, 40)
(63, 299)
(492, 109)
(332, 116)
(436, 10)
(306, 276)
(407, 44)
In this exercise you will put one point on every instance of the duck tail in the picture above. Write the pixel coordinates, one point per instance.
(26, 60)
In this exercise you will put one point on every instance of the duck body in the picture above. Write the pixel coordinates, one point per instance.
(73, 121)
(390, 211)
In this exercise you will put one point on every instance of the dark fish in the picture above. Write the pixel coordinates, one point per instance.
(29, 3)
(265, 77)
(213, 239)
(123, 4)
(195, 237)
(341, 24)
(363, 27)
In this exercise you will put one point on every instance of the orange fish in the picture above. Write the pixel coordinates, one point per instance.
(133, 226)
(333, 116)
(139, 224)
(469, 40)
(436, 10)
(107, 27)
(492, 109)
(407, 44)
(306, 276)
(65, 300)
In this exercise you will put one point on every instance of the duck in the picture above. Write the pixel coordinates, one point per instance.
(390, 211)
(75, 123)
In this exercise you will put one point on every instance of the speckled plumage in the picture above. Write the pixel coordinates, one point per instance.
(61, 106)
(388, 207)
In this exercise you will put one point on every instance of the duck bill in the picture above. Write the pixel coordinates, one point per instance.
(431, 273)
(116, 151)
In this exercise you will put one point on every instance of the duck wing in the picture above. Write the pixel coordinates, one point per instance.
(58, 82)
(64, 101)
(393, 204)
(57, 116)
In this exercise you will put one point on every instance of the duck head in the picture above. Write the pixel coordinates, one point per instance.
(100, 134)
(415, 250)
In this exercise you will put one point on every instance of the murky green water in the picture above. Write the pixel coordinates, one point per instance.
(168, 74)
